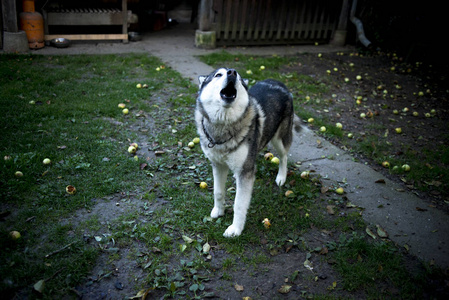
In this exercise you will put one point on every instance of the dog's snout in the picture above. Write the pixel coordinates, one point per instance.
(232, 72)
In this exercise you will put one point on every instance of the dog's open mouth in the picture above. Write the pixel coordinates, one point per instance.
(229, 93)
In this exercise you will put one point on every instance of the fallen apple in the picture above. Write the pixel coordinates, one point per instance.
(196, 140)
(358, 77)
(262, 67)
(415, 114)
(350, 135)
(398, 130)
(275, 160)
(46, 161)
(15, 235)
(386, 164)
(396, 112)
(121, 105)
(362, 115)
(191, 144)
(134, 145)
(311, 120)
(340, 191)
(322, 129)
(18, 174)
(203, 185)
(132, 149)
(289, 193)
(70, 189)
(125, 111)
(339, 125)
(406, 168)
(266, 223)
(268, 156)
(305, 174)
(139, 86)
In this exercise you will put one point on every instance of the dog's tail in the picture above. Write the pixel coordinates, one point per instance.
(297, 123)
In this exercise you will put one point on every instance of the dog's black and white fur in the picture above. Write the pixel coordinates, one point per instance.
(234, 124)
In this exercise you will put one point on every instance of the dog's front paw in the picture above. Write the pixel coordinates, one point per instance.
(232, 231)
(280, 179)
(216, 212)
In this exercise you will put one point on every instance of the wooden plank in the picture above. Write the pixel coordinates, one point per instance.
(75, 19)
(227, 25)
(125, 19)
(87, 37)
(235, 18)
(243, 20)
(295, 13)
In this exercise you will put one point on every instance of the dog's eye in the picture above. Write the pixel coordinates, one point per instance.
(218, 75)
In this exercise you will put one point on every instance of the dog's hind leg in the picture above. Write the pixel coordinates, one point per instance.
(242, 201)
(220, 173)
(281, 142)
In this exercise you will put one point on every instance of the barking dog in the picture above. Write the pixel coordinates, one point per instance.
(234, 124)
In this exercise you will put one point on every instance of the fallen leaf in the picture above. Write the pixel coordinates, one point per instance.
(238, 288)
(330, 209)
(420, 209)
(324, 251)
(187, 239)
(285, 289)
(308, 265)
(324, 189)
(370, 233)
(380, 181)
(39, 286)
(206, 248)
(381, 232)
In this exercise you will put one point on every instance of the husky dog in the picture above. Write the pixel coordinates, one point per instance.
(234, 124)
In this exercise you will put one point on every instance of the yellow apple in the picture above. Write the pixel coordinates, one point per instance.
(196, 140)
(132, 149)
(18, 174)
(70, 189)
(46, 161)
(340, 191)
(275, 160)
(268, 156)
(15, 235)
(125, 111)
(203, 185)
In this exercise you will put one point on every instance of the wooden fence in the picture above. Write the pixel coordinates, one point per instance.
(269, 22)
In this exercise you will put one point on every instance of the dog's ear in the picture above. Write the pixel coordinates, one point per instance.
(201, 79)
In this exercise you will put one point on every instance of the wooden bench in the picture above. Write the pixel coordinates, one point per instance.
(87, 17)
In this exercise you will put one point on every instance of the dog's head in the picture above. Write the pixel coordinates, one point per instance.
(223, 87)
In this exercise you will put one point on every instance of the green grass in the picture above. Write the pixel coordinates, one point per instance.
(65, 108)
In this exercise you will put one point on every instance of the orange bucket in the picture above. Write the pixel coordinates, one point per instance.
(32, 23)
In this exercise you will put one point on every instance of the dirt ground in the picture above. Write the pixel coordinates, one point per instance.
(417, 91)
(123, 277)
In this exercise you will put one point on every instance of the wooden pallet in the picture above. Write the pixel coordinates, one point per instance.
(88, 17)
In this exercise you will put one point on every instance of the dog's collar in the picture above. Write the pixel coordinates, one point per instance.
(212, 142)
